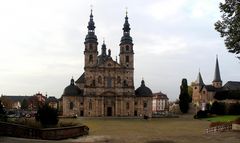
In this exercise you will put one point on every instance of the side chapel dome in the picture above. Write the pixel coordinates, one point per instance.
(72, 90)
(143, 90)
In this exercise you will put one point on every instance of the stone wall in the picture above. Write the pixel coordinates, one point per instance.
(15, 130)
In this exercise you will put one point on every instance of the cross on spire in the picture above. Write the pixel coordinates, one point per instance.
(126, 11)
(91, 6)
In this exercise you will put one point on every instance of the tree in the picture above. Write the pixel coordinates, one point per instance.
(47, 116)
(3, 116)
(228, 26)
(2, 112)
(184, 97)
(24, 104)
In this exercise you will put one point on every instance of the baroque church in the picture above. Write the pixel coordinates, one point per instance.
(106, 88)
(205, 94)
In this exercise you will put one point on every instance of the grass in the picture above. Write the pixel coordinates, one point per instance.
(184, 129)
(165, 130)
(225, 118)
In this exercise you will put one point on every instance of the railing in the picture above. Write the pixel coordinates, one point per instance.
(221, 128)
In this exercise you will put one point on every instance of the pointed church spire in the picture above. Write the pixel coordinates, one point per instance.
(126, 25)
(126, 38)
(217, 77)
(91, 37)
(199, 80)
(91, 24)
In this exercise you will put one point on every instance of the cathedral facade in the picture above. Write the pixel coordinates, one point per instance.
(106, 88)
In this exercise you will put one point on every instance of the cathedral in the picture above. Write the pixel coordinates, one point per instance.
(106, 88)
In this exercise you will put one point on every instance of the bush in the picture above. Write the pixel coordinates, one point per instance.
(218, 108)
(201, 114)
(234, 109)
(47, 116)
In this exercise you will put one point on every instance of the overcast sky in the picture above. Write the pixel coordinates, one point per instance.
(42, 42)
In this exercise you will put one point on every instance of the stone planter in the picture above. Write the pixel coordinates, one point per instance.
(16, 130)
(235, 127)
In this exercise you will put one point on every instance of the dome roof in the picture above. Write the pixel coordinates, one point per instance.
(72, 90)
(143, 90)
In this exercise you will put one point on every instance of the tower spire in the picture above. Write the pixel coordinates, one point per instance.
(91, 29)
(217, 82)
(104, 48)
(217, 77)
(126, 38)
(199, 80)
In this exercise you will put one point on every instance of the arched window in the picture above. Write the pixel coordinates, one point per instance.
(100, 80)
(109, 82)
(127, 106)
(71, 105)
(145, 105)
(127, 59)
(93, 83)
(127, 48)
(90, 47)
(90, 105)
(90, 58)
(118, 79)
(125, 83)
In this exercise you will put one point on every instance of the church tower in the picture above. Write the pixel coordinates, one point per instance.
(127, 55)
(126, 46)
(217, 82)
(197, 86)
(91, 43)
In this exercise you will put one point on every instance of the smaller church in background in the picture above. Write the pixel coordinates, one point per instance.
(206, 94)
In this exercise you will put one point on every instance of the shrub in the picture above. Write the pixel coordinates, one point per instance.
(218, 108)
(47, 116)
(201, 114)
(234, 109)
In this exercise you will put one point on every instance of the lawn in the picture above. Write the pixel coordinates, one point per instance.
(163, 130)
(225, 118)
(184, 129)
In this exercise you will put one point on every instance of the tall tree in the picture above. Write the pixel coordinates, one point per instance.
(228, 26)
(1, 108)
(24, 104)
(184, 97)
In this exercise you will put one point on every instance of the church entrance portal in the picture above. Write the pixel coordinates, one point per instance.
(109, 111)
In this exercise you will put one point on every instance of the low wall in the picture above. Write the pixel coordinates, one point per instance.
(16, 130)
(236, 127)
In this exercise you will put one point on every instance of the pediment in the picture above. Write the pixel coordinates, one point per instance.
(110, 64)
